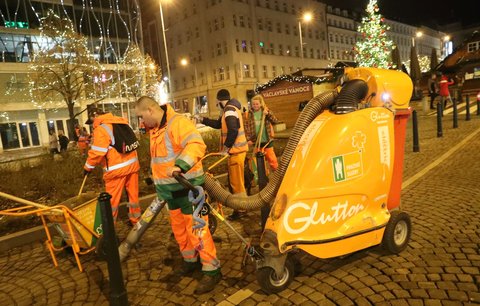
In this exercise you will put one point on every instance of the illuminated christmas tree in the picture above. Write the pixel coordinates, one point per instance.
(62, 67)
(373, 48)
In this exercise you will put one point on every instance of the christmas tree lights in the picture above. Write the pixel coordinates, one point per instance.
(373, 48)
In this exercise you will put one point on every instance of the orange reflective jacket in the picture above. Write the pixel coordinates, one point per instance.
(178, 143)
(114, 164)
(240, 145)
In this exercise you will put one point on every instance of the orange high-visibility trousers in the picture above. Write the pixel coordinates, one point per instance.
(191, 245)
(115, 187)
(236, 164)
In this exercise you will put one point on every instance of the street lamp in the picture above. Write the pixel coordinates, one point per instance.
(418, 34)
(166, 49)
(307, 17)
(184, 62)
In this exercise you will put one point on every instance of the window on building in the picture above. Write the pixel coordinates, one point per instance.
(274, 71)
(280, 49)
(215, 24)
(249, 23)
(311, 53)
(234, 20)
(287, 29)
(199, 55)
(260, 23)
(221, 73)
(254, 71)
(309, 33)
(269, 25)
(265, 71)
(289, 53)
(225, 48)
(293, 11)
(215, 78)
(318, 54)
(184, 81)
(473, 46)
(241, 21)
(227, 72)
(219, 49)
(252, 50)
(197, 32)
(285, 7)
(179, 39)
(279, 27)
(332, 54)
(295, 29)
(317, 34)
(290, 69)
(244, 46)
(246, 70)
(267, 3)
(297, 52)
(272, 49)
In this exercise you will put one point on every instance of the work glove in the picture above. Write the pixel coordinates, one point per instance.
(85, 172)
(198, 118)
(225, 151)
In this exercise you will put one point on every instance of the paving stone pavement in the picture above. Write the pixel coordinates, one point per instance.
(440, 266)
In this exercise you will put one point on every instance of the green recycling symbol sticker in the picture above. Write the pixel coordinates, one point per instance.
(338, 168)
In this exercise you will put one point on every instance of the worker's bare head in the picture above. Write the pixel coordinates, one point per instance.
(258, 102)
(150, 111)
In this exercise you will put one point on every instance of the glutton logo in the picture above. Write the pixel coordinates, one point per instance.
(311, 216)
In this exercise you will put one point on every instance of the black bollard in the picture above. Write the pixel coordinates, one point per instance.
(455, 114)
(478, 107)
(118, 294)
(467, 102)
(262, 182)
(416, 145)
(439, 119)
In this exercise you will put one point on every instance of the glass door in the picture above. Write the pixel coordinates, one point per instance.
(23, 128)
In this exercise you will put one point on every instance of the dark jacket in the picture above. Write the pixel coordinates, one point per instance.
(63, 140)
(233, 123)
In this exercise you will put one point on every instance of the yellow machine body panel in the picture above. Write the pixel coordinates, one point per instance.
(389, 88)
(332, 200)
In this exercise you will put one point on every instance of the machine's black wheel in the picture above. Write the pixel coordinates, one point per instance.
(270, 282)
(212, 223)
(397, 233)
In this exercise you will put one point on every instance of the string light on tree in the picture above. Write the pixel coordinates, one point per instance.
(373, 48)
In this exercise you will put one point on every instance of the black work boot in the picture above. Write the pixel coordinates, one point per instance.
(235, 215)
(187, 268)
(207, 283)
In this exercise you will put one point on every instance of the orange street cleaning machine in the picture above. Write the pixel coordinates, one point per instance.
(337, 189)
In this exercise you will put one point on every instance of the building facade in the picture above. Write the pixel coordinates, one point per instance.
(110, 29)
(233, 44)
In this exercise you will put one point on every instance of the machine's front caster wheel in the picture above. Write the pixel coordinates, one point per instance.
(397, 233)
(212, 223)
(272, 283)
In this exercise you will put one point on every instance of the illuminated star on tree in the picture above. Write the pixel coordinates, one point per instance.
(373, 48)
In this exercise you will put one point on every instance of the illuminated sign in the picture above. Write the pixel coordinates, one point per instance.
(16, 24)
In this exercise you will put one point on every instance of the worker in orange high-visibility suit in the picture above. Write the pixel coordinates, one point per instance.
(120, 169)
(176, 146)
(234, 142)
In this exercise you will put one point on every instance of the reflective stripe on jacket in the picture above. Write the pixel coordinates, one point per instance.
(240, 144)
(176, 144)
(114, 164)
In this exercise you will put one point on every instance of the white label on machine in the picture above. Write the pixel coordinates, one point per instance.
(347, 166)
(384, 144)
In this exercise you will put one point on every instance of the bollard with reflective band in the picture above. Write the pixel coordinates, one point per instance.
(416, 145)
(455, 114)
(467, 115)
(118, 294)
(439, 119)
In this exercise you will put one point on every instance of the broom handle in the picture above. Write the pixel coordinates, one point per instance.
(83, 184)
(23, 201)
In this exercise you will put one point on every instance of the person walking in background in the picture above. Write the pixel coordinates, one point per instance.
(63, 140)
(120, 169)
(259, 121)
(432, 89)
(444, 92)
(177, 146)
(83, 142)
(233, 142)
(53, 142)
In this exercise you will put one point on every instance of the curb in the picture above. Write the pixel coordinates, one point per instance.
(37, 233)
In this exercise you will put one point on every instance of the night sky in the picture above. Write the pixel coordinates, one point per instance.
(421, 12)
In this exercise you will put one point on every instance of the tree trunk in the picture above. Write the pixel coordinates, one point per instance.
(71, 121)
